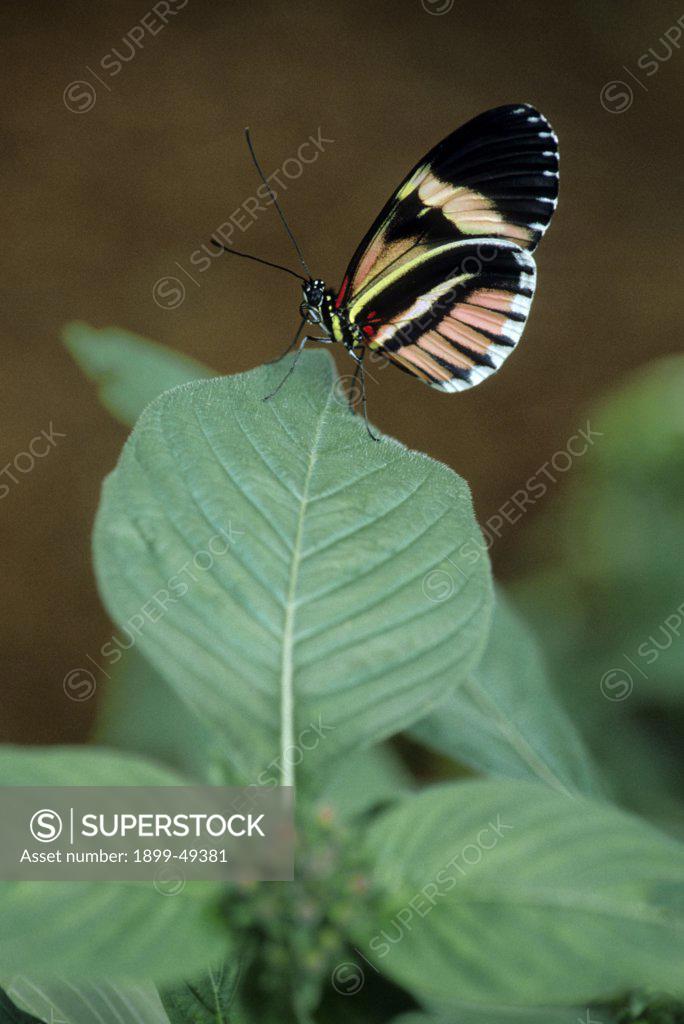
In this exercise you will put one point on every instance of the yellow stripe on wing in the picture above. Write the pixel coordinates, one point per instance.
(391, 276)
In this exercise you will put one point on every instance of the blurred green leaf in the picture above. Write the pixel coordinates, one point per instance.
(205, 1001)
(608, 602)
(366, 779)
(270, 560)
(57, 1000)
(617, 542)
(129, 371)
(501, 891)
(463, 1013)
(112, 929)
(505, 719)
(626, 528)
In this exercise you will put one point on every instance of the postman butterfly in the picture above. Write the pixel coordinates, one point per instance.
(443, 281)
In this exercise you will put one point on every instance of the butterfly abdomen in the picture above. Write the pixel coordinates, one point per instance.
(340, 325)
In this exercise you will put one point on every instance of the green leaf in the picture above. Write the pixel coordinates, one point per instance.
(206, 1001)
(270, 559)
(365, 780)
(462, 1013)
(129, 371)
(114, 929)
(505, 719)
(607, 605)
(59, 1001)
(524, 896)
(616, 539)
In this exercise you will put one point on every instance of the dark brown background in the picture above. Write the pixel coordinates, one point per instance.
(101, 204)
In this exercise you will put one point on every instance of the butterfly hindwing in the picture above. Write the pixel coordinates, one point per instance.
(453, 315)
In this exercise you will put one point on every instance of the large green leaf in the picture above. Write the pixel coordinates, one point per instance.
(304, 626)
(56, 1000)
(505, 719)
(101, 929)
(129, 371)
(141, 713)
(524, 896)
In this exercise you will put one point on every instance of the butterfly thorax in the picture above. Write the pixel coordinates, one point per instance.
(322, 307)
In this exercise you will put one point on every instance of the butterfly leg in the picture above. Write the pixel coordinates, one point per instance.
(351, 397)
(362, 375)
(302, 343)
(289, 348)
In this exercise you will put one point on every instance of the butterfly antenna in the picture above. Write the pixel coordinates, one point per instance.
(277, 205)
(257, 259)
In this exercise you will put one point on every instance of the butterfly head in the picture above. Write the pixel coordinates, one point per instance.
(313, 296)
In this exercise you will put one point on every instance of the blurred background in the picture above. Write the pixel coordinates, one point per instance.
(123, 152)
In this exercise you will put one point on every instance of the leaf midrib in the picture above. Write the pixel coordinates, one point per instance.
(287, 774)
(513, 736)
(570, 900)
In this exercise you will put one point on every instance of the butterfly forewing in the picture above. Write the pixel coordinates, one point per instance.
(444, 279)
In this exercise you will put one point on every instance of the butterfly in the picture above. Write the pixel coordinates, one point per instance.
(443, 281)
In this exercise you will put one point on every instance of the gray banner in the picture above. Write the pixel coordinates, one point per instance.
(164, 834)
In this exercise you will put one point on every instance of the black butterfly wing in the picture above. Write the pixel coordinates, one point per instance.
(495, 176)
(451, 315)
